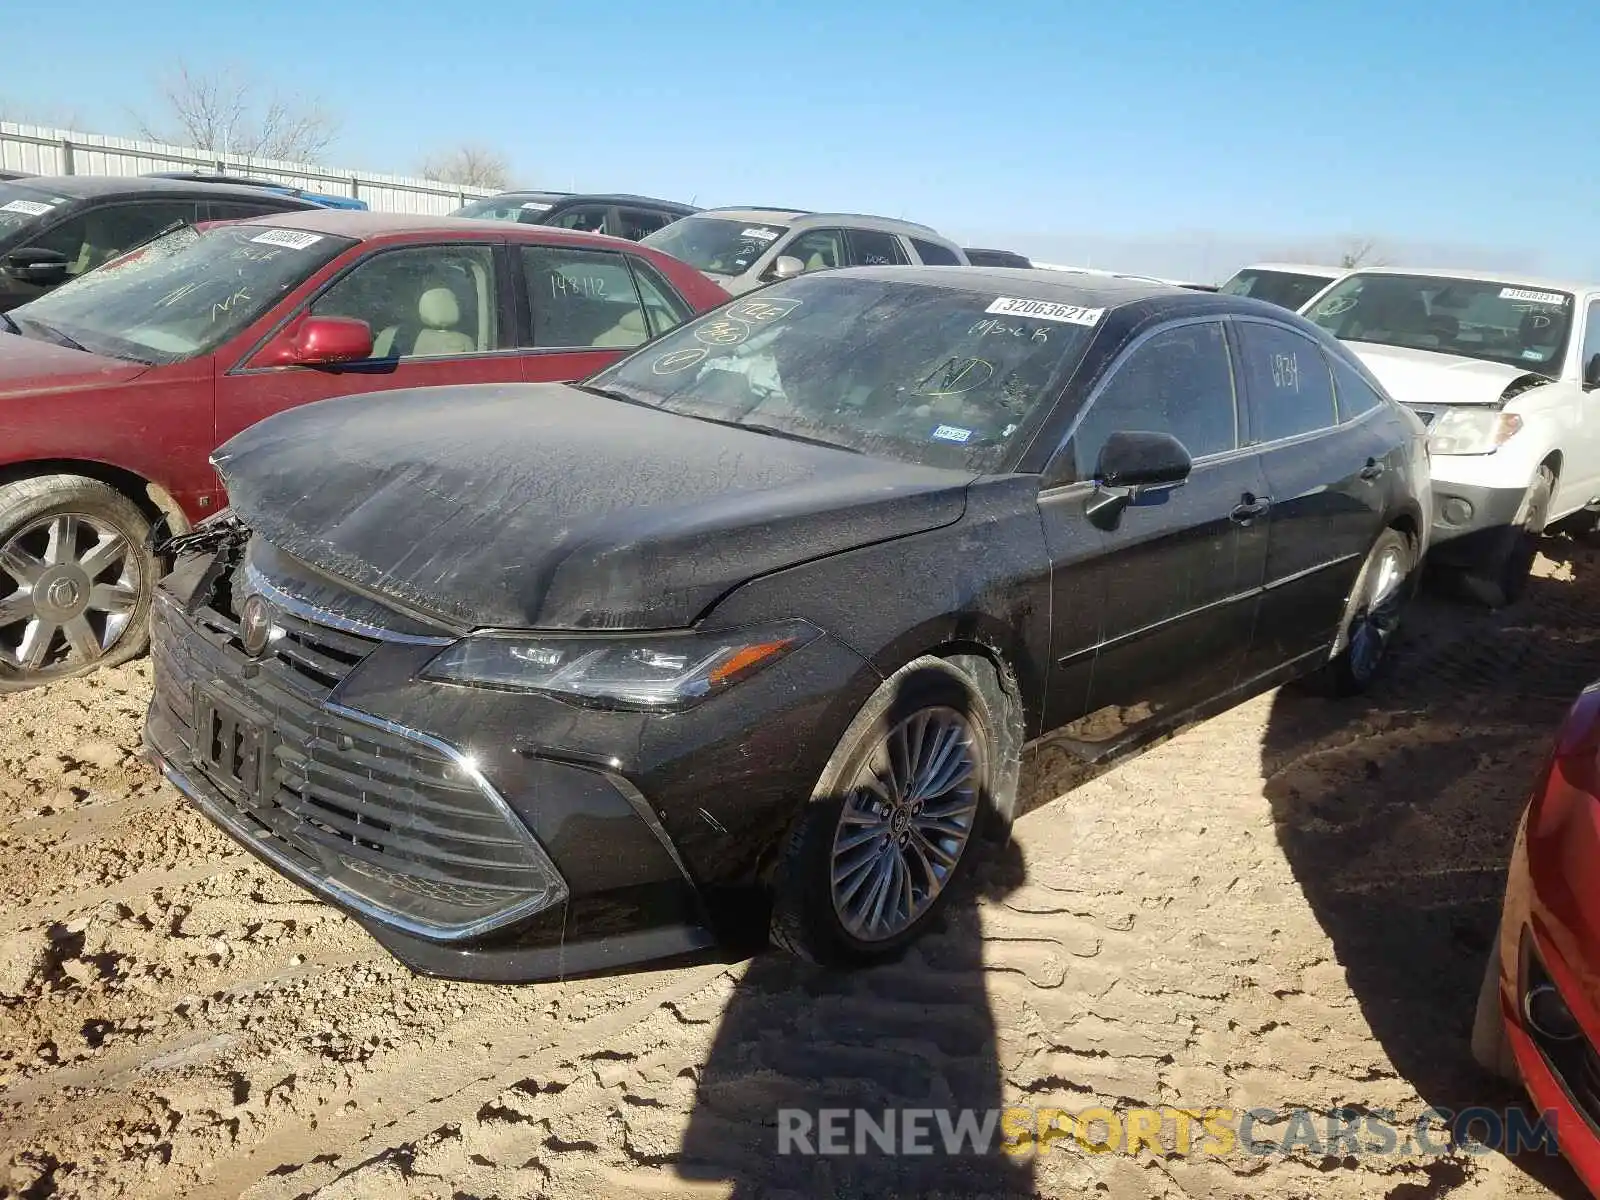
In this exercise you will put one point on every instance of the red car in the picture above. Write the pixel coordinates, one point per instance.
(115, 388)
(1538, 1019)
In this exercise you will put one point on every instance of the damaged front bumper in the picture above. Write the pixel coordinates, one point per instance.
(476, 834)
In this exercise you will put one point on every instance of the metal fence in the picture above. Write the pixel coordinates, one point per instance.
(63, 152)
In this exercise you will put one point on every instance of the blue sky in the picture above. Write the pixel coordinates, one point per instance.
(1167, 136)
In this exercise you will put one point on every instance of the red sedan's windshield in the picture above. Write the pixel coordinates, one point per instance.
(183, 294)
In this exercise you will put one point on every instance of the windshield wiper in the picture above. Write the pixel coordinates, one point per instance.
(6, 317)
(54, 334)
(615, 394)
(766, 430)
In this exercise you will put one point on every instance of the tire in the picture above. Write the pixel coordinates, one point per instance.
(1502, 577)
(1490, 1047)
(816, 921)
(1372, 612)
(76, 579)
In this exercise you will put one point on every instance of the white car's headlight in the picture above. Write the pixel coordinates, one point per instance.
(1471, 430)
(651, 671)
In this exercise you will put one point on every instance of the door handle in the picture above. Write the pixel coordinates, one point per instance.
(1249, 509)
(1372, 470)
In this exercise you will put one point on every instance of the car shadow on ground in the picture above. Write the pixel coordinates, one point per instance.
(915, 1034)
(1397, 811)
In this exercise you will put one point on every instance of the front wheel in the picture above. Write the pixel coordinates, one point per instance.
(75, 579)
(1503, 576)
(1372, 613)
(891, 823)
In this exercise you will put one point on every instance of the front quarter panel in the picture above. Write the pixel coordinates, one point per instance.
(982, 581)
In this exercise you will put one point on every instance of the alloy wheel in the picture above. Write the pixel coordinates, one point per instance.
(1375, 624)
(69, 585)
(906, 820)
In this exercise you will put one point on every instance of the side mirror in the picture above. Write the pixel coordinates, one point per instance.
(40, 267)
(1591, 373)
(787, 267)
(320, 342)
(1134, 464)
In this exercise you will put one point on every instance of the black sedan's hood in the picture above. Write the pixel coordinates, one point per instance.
(542, 506)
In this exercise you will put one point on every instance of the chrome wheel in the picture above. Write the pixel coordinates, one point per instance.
(69, 585)
(1379, 615)
(906, 820)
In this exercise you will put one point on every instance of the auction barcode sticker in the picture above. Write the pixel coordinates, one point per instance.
(535, 206)
(1046, 310)
(760, 235)
(292, 238)
(1532, 297)
(32, 207)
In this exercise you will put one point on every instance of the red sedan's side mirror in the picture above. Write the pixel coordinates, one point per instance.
(319, 342)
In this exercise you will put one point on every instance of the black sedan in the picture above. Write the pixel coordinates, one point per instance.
(537, 680)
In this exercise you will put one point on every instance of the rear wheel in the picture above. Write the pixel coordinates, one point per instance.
(75, 579)
(892, 821)
(1372, 614)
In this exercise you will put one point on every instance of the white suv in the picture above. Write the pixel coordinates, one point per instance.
(743, 248)
(1505, 373)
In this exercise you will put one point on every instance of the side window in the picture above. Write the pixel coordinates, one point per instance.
(428, 302)
(100, 234)
(870, 248)
(1180, 382)
(662, 304)
(818, 249)
(586, 218)
(1287, 380)
(934, 255)
(1355, 394)
(582, 298)
(1591, 340)
(639, 223)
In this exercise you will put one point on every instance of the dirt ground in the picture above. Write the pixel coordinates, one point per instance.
(1287, 905)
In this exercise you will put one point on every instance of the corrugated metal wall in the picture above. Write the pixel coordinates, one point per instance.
(64, 152)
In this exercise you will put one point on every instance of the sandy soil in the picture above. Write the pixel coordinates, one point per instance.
(1286, 905)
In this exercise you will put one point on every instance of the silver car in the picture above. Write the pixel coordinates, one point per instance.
(744, 248)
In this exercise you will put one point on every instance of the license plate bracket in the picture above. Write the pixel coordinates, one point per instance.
(232, 745)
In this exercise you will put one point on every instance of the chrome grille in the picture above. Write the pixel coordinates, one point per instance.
(368, 810)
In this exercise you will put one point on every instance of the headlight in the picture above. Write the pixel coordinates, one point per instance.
(1471, 430)
(654, 671)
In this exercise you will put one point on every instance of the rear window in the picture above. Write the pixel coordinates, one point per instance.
(21, 205)
(1284, 288)
(934, 255)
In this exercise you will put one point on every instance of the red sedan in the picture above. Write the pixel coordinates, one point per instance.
(1538, 1015)
(115, 389)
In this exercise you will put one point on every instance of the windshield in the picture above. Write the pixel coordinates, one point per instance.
(931, 375)
(183, 293)
(1287, 289)
(529, 209)
(21, 205)
(716, 244)
(1517, 325)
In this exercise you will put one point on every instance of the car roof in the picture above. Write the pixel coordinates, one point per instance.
(84, 187)
(364, 225)
(590, 198)
(1061, 287)
(804, 218)
(1508, 279)
(1297, 269)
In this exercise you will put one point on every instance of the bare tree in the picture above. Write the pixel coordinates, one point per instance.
(226, 112)
(1360, 252)
(473, 166)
